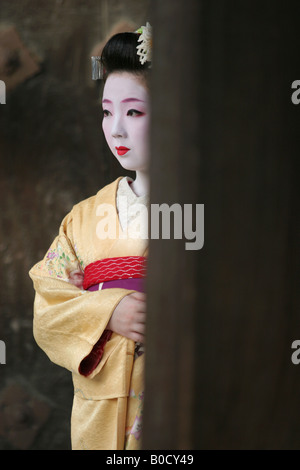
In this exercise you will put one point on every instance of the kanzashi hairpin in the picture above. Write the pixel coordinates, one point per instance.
(144, 50)
(97, 68)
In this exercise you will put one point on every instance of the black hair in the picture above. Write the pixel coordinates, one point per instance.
(120, 55)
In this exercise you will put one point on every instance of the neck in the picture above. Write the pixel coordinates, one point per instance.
(140, 185)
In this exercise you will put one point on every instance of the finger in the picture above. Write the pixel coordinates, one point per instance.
(140, 303)
(139, 296)
(140, 317)
(137, 337)
(139, 328)
(141, 309)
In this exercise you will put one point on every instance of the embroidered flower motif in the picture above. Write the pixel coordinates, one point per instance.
(60, 264)
(52, 254)
(136, 429)
(144, 50)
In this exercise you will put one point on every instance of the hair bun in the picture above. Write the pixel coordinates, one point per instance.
(127, 52)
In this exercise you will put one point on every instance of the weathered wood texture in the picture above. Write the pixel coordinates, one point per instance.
(221, 321)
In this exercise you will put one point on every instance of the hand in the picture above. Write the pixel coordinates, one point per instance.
(76, 278)
(129, 317)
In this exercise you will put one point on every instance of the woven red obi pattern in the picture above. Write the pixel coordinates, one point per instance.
(109, 269)
(122, 270)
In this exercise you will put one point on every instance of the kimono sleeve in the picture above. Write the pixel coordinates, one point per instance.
(68, 321)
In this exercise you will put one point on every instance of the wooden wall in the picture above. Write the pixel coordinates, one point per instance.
(221, 320)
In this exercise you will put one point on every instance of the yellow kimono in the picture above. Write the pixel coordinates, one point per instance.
(69, 321)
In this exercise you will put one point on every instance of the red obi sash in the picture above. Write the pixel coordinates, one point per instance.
(115, 269)
(127, 272)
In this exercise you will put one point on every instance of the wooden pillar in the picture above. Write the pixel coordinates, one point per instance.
(221, 320)
(176, 167)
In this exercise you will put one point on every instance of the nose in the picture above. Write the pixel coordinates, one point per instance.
(118, 129)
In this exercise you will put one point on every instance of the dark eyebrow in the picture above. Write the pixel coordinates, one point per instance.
(132, 99)
(127, 100)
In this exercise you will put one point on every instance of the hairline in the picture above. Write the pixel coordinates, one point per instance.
(139, 74)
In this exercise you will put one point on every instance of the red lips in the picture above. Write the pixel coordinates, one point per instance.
(122, 150)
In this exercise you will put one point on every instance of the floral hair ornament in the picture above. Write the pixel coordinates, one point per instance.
(144, 50)
(97, 68)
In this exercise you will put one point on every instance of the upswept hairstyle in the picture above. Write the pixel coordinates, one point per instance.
(120, 55)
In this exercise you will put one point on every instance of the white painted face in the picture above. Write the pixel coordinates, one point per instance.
(126, 117)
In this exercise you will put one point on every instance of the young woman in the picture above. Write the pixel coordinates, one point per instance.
(90, 305)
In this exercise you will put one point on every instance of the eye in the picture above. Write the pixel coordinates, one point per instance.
(134, 113)
(106, 113)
